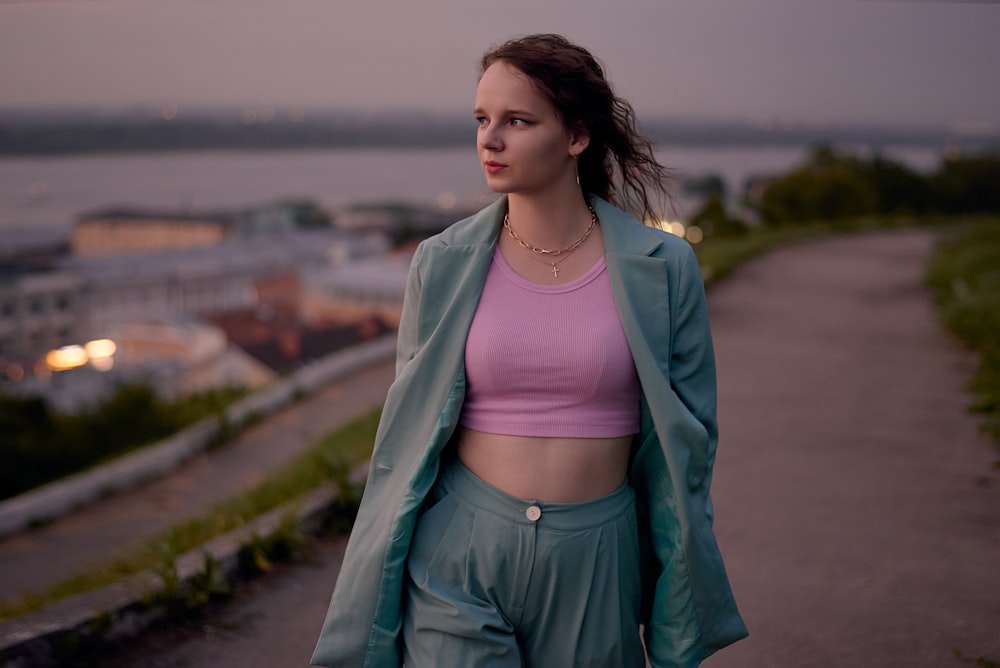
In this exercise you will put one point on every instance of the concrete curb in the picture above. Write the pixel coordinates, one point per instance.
(126, 608)
(58, 498)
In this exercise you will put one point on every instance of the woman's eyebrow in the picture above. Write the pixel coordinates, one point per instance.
(509, 112)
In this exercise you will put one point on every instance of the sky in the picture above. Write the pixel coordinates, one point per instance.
(901, 62)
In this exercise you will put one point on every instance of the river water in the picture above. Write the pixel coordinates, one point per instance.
(46, 194)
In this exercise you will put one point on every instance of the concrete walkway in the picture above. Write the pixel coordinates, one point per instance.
(856, 504)
(35, 559)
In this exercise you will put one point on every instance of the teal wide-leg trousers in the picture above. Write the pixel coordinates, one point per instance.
(496, 581)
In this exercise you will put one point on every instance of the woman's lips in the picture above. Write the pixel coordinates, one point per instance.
(494, 167)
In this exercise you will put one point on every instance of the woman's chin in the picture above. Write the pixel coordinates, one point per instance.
(498, 186)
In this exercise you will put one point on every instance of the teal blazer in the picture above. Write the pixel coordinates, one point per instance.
(688, 608)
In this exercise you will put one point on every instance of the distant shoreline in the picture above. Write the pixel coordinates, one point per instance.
(54, 135)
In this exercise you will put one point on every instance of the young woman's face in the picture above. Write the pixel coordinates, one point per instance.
(523, 146)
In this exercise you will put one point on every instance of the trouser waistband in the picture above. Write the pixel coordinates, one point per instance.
(456, 478)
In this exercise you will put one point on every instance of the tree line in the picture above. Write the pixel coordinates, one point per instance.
(834, 186)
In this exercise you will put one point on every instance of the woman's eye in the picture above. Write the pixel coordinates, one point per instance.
(518, 121)
(480, 121)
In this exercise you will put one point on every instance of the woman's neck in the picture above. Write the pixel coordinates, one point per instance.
(549, 221)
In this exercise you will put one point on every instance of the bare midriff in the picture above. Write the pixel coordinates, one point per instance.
(554, 470)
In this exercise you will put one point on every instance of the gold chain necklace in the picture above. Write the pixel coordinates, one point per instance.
(561, 253)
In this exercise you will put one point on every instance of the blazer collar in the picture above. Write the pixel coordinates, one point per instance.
(479, 229)
(622, 232)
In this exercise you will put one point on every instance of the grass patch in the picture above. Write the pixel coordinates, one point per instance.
(329, 461)
(719, 256)
(980, 661)
(964, 274)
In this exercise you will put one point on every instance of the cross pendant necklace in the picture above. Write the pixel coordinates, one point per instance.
(561, 253)
(553, 264)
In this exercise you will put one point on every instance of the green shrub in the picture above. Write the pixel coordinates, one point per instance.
(838, 186)
(40, 445)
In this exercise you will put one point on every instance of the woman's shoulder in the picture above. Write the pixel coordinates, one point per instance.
(478, 228)
(628, 233)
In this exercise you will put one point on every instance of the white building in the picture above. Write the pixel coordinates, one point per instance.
(39, 311)
(183, 356)
(167, 284)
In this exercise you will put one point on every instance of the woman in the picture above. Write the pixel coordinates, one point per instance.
(539, 486)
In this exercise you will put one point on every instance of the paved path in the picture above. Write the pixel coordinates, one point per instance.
(858, 508)
(856, 504)
(34, 559)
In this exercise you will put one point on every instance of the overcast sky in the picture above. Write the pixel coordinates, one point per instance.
(901, 61)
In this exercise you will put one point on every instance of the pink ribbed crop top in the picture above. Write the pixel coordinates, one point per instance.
(549, 360)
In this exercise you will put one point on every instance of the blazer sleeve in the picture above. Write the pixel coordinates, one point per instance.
(407, 336)
(691, 616)
(692, 361)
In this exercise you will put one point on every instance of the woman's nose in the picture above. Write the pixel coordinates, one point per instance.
(490, 139)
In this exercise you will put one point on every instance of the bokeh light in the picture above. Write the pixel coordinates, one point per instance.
(100, 348)
(15, 372)
(67, 357)
(447, 200)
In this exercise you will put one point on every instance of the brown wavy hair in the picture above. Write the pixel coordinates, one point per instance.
(618, 164)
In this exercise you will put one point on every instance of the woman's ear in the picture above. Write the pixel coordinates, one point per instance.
(579, 140)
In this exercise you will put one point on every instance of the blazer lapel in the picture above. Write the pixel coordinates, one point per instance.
(454, 276)
(639, 282)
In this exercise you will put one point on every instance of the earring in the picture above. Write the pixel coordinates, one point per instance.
(576, 167)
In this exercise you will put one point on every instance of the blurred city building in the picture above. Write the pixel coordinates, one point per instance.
(39, 306)
(39, 311)
(115, 231)
(177, 356)
(128, 229)
(184, 356)
(166, 310)
(355, 292)
(399, 220)
(222, 277)
(26, 249)
(283, 343)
